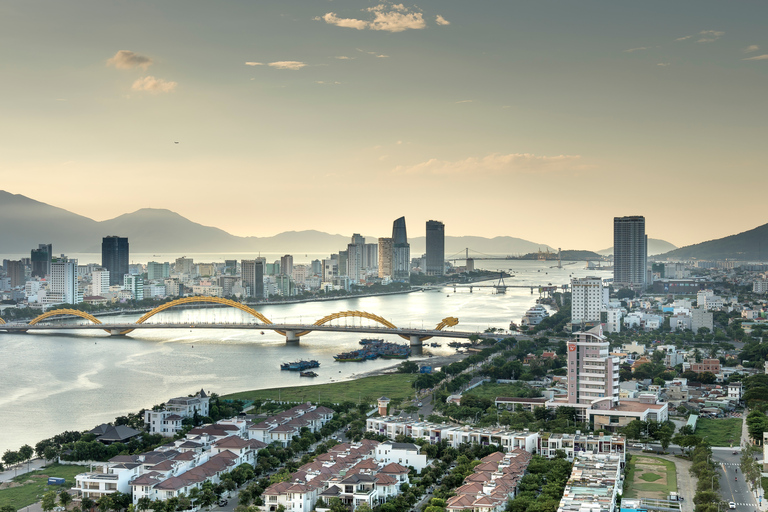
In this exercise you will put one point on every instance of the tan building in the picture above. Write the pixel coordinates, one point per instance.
(706, 365)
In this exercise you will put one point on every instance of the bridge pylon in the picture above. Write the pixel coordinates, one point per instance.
(291, 337)
(117, 332)
(415, 340)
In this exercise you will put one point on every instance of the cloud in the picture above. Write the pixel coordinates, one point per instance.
(321, 82)
(495, 164)
(343, 57)
(751, 48)
(758, 57)
(441, 21)
(636, 49)
(287, 64)
(126, 59)
(683, 38)
(389, 18)
(465, 101)
(251, 63)
(375, 54)
(153, 85)
(663, 64)
(709, 36)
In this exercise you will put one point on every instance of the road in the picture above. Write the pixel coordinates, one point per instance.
(733, 487)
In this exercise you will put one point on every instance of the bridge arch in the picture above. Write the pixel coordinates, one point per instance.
(2, 321)
(192, 300)
(445, 322)
(63, 312)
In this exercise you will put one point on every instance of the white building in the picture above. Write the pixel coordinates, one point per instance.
(135, 285)
(735, 390)
(680, 322)
(63, 286)
(613, 319)
(760, 286)
(593, 485)
(167, 421)
(407, 454)
(108, 479)
(100, 282)
(702, 318)
(707, 300)
(586, 299)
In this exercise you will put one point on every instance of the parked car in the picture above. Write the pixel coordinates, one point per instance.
(222, 503)
(731, 505)
(638, 445)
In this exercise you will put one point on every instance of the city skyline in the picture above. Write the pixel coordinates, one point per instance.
(521, 107)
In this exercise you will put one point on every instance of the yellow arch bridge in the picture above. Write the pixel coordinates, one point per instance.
(292, 332)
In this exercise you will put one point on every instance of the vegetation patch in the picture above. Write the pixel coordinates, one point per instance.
(29, 488)
(367, 390)
(650, 477)
(723, 432)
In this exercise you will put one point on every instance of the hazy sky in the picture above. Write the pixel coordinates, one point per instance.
(535, 119)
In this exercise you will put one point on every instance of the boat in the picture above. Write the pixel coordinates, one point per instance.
(299, 366)
(434, 344)
(535, 315)
(309, 373)
(374, 349)
(370, 341)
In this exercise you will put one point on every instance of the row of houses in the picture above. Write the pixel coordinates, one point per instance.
(542, 443)
(205, 453)
(493, 483)
(355, 473)
(593, 485)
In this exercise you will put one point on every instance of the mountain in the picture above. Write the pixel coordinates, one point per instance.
(750, 245)
(25, 223)
(655, 246)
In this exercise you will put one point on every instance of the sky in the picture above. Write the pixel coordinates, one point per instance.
(540, 120)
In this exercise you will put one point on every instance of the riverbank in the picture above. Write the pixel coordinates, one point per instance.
(365, 386)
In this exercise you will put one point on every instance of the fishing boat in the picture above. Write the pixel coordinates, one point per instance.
(374, 349)
(309, 373)
(299, 366)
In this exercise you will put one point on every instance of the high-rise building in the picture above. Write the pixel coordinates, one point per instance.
(184, 265)
(386, 246)
(156, 270)
(286, 265)
(355, 256)
(317, 267)
(41, 260)
(401, 251)
(630, 252)
(253, 277)
(586, 300)
(341, 267)
(371, 257)
(135, 285)
(230, 266)
(435, 248)
(115, 257)
(100, 281)
(63, 286)
(15, 270)
(593, 375)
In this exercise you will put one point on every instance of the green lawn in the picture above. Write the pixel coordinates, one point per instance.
(649, 488)
(35, 484)
(724, 432)
(491, 390)
(395, 386)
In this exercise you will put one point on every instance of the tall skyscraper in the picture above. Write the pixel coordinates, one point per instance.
(115, 257)
(253, 277)
(401, 251)
(592, 373)
(41, 260)
(286, 265)
(630, 252)
(15, 270)
(355, 256)
(64, 287)
(386, 246)
(586, 300)
(435, 248)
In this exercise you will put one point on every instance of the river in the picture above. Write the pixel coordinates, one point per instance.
(57, 381)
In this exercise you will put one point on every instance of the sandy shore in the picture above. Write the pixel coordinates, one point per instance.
(434, 362)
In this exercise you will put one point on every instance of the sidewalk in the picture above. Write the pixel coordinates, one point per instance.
(20, 469)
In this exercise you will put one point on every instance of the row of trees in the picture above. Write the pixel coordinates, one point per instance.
(10, 458)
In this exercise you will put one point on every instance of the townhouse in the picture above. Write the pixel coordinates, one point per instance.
(492, 484)
(281, 427)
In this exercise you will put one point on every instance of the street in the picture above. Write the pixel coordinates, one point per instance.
(733, 487)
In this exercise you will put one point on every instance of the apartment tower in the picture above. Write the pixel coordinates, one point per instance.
(593, 375)
(586, 300)
(253, 277)
(630, 252)
(386, 246)
(401, 251)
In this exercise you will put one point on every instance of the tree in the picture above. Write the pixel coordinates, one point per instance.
(48, 501)
(105, 503)
(7, 508)
(86, 504)
(10, 458)
(336, 505)
(50, 453)
(25, 453)
(65, 498)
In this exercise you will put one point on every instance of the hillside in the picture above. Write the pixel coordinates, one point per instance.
(750, 245)
(655, 246)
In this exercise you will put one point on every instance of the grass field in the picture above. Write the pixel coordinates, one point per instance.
(369, 389)
(491, 390)
(35, 484)
(650, 477)
(724, 432)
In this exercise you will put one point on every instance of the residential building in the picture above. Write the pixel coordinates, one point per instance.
(492, 484)
(706, 365)
(184, 265)
(706, 299)
(115, 257)
(735, 390)
(702, 318)
(407, 454)
(286, 265)
(157, 270)
(435, 248)
(612, 319)
(586, 300)
(386, 253)
(167, 421)
(282, 427)
(401, 251)
(630, 252)
(355, 254)
(15, 271)
(760, 286)
(593, 375)
(593, 485)
(100, 282)
(135, 285)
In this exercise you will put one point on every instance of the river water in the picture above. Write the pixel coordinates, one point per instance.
(56, 381)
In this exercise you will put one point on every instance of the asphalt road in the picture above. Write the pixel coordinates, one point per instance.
(733, 487)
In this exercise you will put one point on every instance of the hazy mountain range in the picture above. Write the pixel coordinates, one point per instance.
(655, 246)
(750, 245)
(25, 223)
